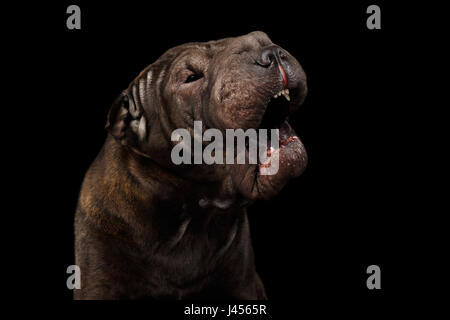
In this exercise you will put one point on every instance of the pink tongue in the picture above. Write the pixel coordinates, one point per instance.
(283, 74)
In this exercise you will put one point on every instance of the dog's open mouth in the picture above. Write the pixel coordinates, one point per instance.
(277, 111)
(276, 117)
(289, 150)
(284, 160)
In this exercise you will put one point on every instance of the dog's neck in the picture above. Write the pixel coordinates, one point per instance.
(219, 194)
(172, 207)
(156, 182)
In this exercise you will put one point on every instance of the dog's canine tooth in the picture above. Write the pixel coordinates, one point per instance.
(284, 92)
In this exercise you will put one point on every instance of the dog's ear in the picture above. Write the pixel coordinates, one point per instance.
(126, 122)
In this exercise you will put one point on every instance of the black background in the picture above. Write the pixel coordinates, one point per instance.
(314, 241)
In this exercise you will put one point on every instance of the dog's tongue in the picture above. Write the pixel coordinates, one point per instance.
(283, 74)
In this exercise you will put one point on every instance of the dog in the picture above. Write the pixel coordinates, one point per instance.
(146, 228)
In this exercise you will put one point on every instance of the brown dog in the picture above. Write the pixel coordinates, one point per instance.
(146, 228)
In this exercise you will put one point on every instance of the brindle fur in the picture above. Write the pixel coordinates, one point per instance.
(139, 229)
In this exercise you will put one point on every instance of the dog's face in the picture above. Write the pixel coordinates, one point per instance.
(243, 82)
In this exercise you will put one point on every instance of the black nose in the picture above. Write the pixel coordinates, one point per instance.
(270, 54)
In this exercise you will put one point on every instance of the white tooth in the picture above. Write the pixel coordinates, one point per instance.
(286, 95)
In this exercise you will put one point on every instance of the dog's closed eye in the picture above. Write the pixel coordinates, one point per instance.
(194, 77)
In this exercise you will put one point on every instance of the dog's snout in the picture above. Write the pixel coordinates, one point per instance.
(269, 55)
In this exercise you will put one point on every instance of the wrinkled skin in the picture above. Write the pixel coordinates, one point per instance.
(233, 89)
(146, 228)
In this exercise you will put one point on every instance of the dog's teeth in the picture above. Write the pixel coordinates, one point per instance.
(286, 94)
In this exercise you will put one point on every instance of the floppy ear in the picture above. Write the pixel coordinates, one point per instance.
(126, 122)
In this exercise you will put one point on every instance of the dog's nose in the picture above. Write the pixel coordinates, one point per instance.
(270, 54)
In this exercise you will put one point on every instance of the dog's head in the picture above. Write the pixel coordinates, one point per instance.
(243, 82)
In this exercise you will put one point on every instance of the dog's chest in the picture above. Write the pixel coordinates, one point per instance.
(193, 257)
